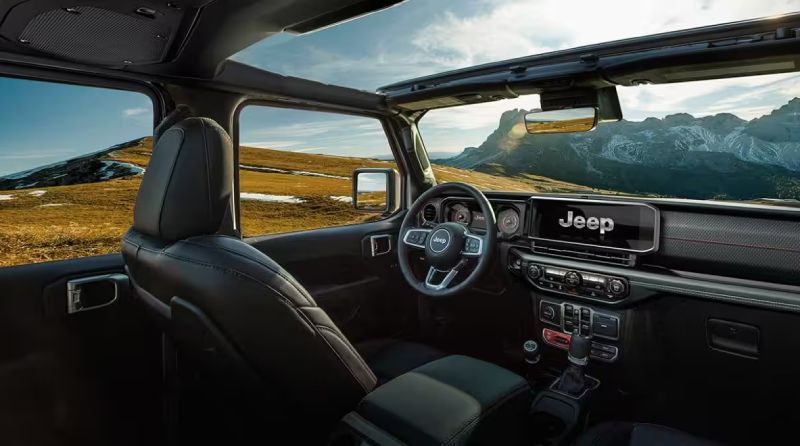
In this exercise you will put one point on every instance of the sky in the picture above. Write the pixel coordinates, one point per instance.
(421, 37)
(43, 123)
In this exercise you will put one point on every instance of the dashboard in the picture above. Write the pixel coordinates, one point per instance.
(666, 237)
(668, 290)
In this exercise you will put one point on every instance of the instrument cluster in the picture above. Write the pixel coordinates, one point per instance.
(467, 213)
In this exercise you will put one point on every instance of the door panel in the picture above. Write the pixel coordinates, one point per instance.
(365, 295)
(86, 378)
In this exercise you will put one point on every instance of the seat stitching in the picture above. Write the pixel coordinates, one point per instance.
(223, 269)
(171, 175)
(195, 243)
(285, 300)
(482, 415)
(208, 173)
(346, 365)
(338, 334)
(277, 272)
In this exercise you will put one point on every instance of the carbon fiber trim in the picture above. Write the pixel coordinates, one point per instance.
(751, 247)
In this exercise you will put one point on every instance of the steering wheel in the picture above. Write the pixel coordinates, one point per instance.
(449, 247)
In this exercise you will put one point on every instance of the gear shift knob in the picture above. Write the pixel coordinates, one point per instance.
(579, 348)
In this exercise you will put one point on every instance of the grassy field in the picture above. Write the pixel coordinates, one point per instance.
(281, 191)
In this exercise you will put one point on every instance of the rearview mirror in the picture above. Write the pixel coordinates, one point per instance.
(561, 121)
(375, 190)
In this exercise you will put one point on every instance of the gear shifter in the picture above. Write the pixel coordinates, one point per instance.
(573, 380)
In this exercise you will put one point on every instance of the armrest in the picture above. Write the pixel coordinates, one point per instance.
(453, 400)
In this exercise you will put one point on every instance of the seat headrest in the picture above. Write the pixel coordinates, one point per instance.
(188, 184)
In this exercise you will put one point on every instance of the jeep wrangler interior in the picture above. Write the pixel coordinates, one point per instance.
(234, 222)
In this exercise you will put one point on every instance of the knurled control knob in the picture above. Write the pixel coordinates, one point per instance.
(617, 287)
(572, 278)
(534, 271)
(531, 351)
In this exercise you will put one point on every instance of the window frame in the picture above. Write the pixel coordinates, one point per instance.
(382, 118)
(78, 79)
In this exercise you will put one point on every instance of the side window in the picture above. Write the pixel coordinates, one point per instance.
(71, 160)
(296, 167)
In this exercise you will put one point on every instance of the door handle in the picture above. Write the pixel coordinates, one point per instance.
(380, 244)
(91, 293)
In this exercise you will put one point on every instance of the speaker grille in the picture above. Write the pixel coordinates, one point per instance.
(96, 36)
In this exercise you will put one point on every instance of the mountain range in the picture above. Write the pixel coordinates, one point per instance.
(720, 156)
(90, 168)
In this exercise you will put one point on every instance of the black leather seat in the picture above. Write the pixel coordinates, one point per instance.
(252, 333)
(638, 434)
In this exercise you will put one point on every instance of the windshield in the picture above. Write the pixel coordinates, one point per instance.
(731, 139)
(423, 37)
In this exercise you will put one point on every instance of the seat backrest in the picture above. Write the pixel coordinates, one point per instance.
(241, 320)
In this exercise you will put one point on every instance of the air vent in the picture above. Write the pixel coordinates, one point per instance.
(613, 258)
(429, 213)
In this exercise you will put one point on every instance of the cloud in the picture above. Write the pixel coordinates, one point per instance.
(303, 131)
(136, 112)
(508, 29)
(423, 37)
(747, 97)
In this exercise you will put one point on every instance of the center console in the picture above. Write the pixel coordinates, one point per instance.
(573, 257)
(453, 400)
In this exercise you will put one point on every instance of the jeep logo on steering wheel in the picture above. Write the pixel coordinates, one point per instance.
(440, 240)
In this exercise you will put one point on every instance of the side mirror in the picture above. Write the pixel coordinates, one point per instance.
(376, 190)
(568, 120)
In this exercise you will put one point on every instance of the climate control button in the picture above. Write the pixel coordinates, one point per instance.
(617, 287)
(572, 278)
(574, 282)
(535, 271)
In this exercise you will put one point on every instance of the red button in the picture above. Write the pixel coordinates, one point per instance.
(556, 339)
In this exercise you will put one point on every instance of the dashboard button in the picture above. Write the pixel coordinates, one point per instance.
(550, 312)
(605, 326)
(534, 271)
(572, 278)
(617, 287)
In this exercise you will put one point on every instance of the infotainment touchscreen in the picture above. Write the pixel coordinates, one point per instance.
(626, 226)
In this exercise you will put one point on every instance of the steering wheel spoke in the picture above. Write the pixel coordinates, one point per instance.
(473, 245)
(416, 237)
(449, 276)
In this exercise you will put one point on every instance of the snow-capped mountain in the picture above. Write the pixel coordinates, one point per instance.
(94, 167)
(712, 156)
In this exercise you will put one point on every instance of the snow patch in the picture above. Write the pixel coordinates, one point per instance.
(52, 205)
(6, 197)
(289, 199)
(108, 169)
(37, 193)
(292, 172)
(342, 198)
